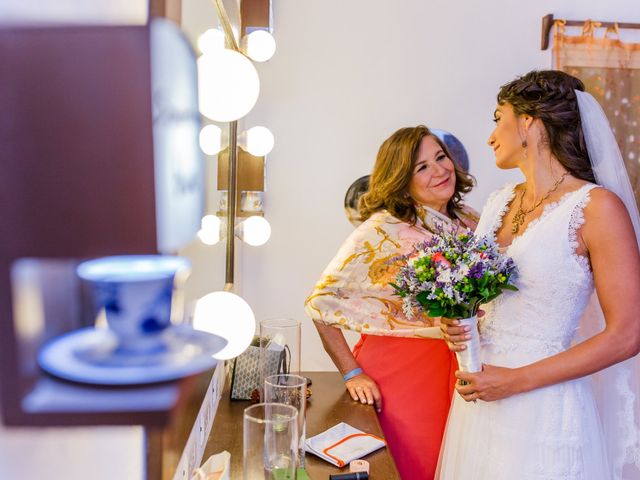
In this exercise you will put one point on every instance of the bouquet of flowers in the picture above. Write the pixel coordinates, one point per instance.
(451, 275)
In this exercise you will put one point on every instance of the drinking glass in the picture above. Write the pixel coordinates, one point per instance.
(290, 390)
(270, 442)
(279, 348)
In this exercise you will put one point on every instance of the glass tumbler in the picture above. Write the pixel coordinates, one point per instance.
(279, 348)
(290, 390)
(270, 442)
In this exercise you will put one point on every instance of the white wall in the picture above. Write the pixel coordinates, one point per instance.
(347, 73)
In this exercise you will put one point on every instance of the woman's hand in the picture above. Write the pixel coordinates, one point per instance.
(454, 334)
(363, 389)
(492, 383)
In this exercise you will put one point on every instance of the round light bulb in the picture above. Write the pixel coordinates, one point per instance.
(259, 141)
(209, 232)
(228, 85)
(259, 45)
(211, 40)
(211, 139)
(255, 231)
(229, 316)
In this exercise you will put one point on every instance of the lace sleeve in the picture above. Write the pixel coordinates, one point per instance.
(576, 220)
(493, 209)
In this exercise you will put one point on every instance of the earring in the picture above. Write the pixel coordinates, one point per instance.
(525, 152)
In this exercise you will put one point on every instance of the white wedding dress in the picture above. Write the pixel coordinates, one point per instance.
(551, 433)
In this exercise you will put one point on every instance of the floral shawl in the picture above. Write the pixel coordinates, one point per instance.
(354, 293)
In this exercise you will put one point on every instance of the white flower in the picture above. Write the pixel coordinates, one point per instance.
(444, 276)
(409, 306)
(448, 291)
(461, 273)
(459, 297)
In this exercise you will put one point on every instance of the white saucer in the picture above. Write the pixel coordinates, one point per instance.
(91, 355)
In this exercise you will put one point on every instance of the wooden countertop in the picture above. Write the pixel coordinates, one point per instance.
(329, 405)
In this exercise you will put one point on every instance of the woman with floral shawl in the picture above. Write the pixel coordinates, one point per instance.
(415, 191)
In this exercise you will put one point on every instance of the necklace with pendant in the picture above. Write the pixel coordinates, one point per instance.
(518, 218)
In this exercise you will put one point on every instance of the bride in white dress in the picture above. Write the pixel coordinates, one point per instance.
(539, 410)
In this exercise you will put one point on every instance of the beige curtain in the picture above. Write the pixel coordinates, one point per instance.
(610, 70)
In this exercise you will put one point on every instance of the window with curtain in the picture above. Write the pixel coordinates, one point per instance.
(610, 70)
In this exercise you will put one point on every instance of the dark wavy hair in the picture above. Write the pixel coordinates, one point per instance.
(392, 172)
(550, 96)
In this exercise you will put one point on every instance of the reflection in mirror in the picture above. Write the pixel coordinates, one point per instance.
(455, 147)
(352, 197)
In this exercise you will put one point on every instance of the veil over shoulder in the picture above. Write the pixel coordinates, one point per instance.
(617, 388)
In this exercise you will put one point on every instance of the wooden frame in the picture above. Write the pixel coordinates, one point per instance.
(547, 23)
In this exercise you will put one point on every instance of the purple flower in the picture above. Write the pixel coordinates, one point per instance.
(477, 270)
(452, 275)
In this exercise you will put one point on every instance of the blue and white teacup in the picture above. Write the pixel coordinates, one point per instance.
(136, 293)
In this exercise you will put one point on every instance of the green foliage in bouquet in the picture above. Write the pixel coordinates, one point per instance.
(452, 275)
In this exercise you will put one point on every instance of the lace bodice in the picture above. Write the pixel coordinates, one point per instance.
(555, 283)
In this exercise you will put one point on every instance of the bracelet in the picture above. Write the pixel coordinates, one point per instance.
(352, 373)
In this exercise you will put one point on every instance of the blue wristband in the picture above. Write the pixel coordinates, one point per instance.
(352, 373)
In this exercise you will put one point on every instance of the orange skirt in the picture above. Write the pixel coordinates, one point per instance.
(416, 379)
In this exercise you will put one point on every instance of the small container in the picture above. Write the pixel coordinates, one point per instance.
(290, 390)
(270, 441)
(350, 476)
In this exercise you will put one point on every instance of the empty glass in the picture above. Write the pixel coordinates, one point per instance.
(279, 348)
(270, 442)
(290, 390)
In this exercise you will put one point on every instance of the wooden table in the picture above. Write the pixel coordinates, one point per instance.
(329, 405)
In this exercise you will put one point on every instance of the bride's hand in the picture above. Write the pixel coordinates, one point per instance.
(492, 383)
(454, 334)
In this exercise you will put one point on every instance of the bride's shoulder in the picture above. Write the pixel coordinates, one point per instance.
(604, 210)
(601, 200)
